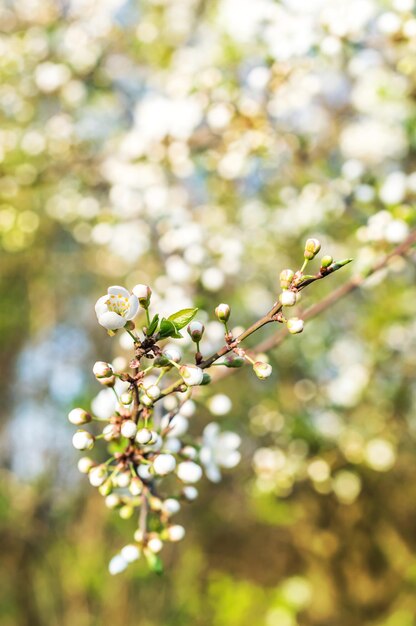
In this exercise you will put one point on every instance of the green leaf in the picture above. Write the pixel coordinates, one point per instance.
(169, 329)
(153, 325)
(183, 317)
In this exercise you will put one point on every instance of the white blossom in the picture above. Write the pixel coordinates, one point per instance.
(192, 375)
(218, 450)
(117, 565)
(164, 464)
(83, 440)
(189, 472)
(116, 308)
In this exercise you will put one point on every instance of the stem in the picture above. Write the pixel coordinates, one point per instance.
(143, 515)
(147, 317)
(135, 339)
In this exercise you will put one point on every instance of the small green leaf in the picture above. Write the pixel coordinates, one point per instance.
(183, 317)
(153, 325)
(169, 329)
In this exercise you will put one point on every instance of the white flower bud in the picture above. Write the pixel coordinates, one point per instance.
(83, 440)
(143, 293)
(192, 375)
(112, 501)
(312, 247)
(287, 298)
(155, 545)
(110, 432)
(153, 392)
(171, 506)
(128, 429)
(295, 325)
(102, 369)
(223, 312)
(106, 488)
(143, 436)
(107, 382)
(190, 493)
(79, 417)
(126, 398)
(189, 472)
(145, 400)
(172, 444)
(138, 536)
(164, 464)
(85, 464)
(123, 479)
(262, 370)
(190, 452)
(135, 486)
(117, 565)
(172, 353)
(175, 533)
(196, 330)
(286, 277)
(130, 553)
(98, 475)
(144, 472)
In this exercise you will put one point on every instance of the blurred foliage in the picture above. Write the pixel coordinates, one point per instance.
(193, 145)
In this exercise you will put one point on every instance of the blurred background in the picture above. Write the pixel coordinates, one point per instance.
(193, 146)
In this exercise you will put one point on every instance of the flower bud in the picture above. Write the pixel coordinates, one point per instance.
(130, 553)
(85, 464)
(164, 464)
(287, 298)
(155, 503)
(102, 369)
(110, 381)
(262, 370)
(129, 429)
(189, 472)
(143, 436)
(223, 312)
(171, 506)
(295, 325)
(138, 536)
(126, 511)
(144, 472)
(112, 501)
(175, 533)
(143, 293)
(286, 277)
(155, 545)
(153, 392)
(83, 440)
(312, 247)
(79, 417)
(190, 493)
(326, 261)
(189, 452)
(106, 488)
(117, 565)
(110, 432)
(145, 400)
(233, 361)
(98, 475)
(192, 375)
(126, 398)
(136, 486)
(172, 354)
(123, 479)
(196, 330)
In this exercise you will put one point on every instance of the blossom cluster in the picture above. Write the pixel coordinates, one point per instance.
(154, 463)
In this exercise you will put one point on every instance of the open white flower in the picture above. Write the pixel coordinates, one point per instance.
(116, 308)
(218, 450)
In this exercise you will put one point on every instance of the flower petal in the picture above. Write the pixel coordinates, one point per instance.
(101, 305)
(116, 290)
(210, 434)
(111, 320)
(133, 308)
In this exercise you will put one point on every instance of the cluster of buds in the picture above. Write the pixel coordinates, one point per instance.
(152, 464)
